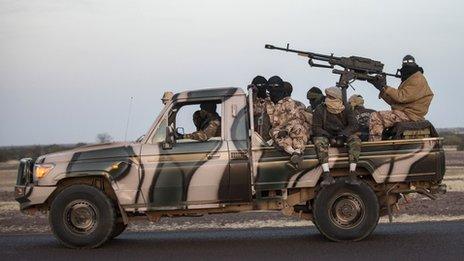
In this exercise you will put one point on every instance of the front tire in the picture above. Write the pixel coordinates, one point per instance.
(345, 212)
(82, 216)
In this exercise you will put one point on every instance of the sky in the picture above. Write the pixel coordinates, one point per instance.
(68, 69)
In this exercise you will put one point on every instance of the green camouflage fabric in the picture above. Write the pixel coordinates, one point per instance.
(262, 121)
(322, 144)
(290, 125)
(209, 126)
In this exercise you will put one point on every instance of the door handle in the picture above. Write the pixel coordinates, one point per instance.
(212, 156)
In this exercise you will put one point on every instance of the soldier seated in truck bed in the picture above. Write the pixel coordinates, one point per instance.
(410, 102)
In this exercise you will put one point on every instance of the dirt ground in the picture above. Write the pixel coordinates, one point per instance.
(447, 207)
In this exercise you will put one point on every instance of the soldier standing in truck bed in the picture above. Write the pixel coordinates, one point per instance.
(334, 124)
(410, 102)
(362, 115)
(290, 129)
(207, 121)
(261, 103)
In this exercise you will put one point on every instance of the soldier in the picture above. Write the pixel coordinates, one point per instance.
(290, 130)
(261, 102)
(307, 113)
(167, 96)
(334, 124)
(362, 115)
(410, 102)
(315, 97)
(207, 121)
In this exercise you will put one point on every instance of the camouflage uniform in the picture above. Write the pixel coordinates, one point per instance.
(290, 125)
(322, 144)
(328, 127)
(384, 119)
(209, 125)
(262, 121)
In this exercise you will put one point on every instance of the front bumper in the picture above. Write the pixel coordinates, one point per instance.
(26, 193)
(30, 195)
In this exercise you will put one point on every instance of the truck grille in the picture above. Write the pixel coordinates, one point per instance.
(24, 177)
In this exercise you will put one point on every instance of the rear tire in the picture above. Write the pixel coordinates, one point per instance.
(82, 216)
(345, 212)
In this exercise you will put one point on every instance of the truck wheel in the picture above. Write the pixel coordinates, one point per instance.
(344, 212)
(82, 216)
(119, 227)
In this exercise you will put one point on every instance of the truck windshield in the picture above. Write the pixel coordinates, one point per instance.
(160, 133)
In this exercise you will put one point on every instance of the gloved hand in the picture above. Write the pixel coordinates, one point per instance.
(379, 81)
(282, 134)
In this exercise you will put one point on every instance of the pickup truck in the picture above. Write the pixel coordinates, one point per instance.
(92, 192)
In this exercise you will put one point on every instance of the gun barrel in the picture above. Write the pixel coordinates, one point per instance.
(315, 56)
(393, 75)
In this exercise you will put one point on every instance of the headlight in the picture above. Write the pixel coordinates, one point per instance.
(43, 169)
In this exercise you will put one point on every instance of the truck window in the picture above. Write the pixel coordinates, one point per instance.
(185, 119)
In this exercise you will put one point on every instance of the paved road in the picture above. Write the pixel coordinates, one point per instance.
(419, 241)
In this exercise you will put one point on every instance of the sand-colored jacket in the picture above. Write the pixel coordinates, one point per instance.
(413, 97)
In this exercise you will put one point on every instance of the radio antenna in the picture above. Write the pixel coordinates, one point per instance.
(128, 118)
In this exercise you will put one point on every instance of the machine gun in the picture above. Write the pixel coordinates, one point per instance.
(354, 67)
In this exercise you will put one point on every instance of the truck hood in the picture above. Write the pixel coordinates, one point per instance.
(96, 150)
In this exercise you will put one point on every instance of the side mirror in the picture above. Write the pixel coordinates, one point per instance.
(169, 140)
(180, 130)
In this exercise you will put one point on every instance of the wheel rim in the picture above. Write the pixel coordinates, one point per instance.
(81, 216)
(347, 211)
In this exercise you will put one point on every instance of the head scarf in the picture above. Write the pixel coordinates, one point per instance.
(333, 100)
(409, 67)
(261, 84)
(315, 97)
(208, 106)
(276, 89)
(356, 100)
(288, 88)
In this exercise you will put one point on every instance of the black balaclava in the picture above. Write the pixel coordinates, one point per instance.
(288, 89)
(409, 67)
(261, 84)
(276, 89)
(315, 97)
(208, 106)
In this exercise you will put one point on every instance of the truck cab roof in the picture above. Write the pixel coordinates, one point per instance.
(209, 93)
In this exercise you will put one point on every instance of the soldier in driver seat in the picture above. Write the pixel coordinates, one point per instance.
(207, 121)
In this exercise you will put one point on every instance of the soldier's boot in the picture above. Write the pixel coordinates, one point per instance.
(353, 178)
(327, 179)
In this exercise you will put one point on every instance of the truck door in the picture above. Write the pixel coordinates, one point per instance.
(191, 174)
